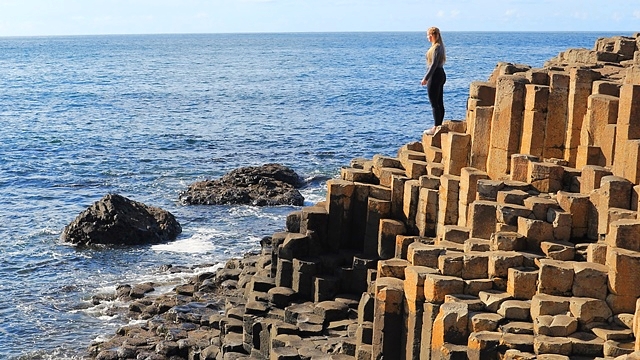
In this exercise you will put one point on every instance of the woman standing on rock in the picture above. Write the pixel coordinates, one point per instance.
(435, 77)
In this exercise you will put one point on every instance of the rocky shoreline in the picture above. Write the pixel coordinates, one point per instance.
(510, 235)
(204, 317)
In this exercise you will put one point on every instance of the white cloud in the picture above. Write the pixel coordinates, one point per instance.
(580, 15)
(510, 12)
(103, 19)
(616, 16)
(636, 14)
(442, 14)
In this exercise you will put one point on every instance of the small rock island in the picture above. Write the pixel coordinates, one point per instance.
(116, 220)
(266, 185)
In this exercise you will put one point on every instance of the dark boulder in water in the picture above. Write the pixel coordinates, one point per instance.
(266, 185)
(116, 220)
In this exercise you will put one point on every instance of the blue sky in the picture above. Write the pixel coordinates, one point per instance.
(87, 17)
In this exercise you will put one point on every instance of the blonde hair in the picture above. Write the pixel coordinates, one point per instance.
(434, 31)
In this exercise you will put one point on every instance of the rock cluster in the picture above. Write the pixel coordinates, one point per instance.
(513, 234)
(266, 185)
(206, 318)
(114, 219)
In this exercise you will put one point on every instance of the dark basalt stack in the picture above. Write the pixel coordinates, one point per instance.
(116, 220)
(266, 185)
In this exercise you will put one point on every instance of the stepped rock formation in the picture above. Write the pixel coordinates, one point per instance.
(511, 234)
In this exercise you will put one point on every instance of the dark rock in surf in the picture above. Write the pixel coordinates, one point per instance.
(116, 220)
(266, 185)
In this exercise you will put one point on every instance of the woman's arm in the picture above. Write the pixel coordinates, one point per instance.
(434, 64)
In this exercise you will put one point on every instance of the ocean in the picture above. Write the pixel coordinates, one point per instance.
(146, 115)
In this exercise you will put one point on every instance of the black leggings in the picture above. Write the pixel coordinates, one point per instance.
(435, 90)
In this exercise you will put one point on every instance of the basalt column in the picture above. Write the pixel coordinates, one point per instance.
(448, 202)
(414, 310)
(468, 192)
(481, 94)
(506, 124)
(482, 97)
(556, 115)
(535, 119)
(359, 213)
(388, 319)
(628, 128)
(377, 210)
(455, 152)
(614, 193)
(339, 194)
(427, 215)
(595, 147)
(579, 91)
(480, 132)
(410, 205)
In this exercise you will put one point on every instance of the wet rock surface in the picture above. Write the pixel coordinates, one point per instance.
(117, 220)
(266, 185)
(212, 316)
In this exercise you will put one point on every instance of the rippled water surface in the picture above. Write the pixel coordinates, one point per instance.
(144, 116)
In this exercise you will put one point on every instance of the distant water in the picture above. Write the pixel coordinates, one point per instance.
(144, 116)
